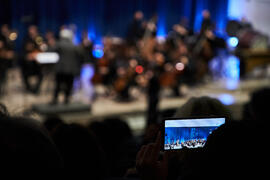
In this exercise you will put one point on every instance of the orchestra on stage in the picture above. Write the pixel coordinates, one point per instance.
(142, 58)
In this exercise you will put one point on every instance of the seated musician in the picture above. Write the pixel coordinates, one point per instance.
(30, 68)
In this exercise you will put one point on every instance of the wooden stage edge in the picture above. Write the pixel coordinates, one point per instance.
(105, 107)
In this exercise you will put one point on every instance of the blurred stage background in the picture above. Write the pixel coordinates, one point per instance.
(111, 18)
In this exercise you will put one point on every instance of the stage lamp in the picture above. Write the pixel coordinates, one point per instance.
(233, 42)
(98, 51)
(179, 66)
(13, 36)
(139, 69)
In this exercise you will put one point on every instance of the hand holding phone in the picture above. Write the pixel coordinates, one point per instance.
(148, 164)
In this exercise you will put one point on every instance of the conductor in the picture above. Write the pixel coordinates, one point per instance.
(68, 66)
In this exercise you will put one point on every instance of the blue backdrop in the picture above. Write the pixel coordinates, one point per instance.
(107, 17)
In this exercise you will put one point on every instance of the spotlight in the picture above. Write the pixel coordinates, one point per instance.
(232, 42)
(179, 66)
(98, 51)
(13, 36)
(139, 69)
(39, 40)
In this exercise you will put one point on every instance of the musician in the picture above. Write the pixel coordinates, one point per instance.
(150, 27)
(124, 76)
(50, 41)
(87, 47)
(6, 54)
(5, 36)
(206, 45)
(180, 31)
(135, 29)
(207, 22)
(184, 22)
(68, 66)
(30, 67)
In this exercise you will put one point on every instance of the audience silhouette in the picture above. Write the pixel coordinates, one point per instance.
(109, 150)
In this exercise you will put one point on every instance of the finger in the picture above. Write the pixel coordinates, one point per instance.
(141, 152)
(145, 157)
(165, 159)
(140, 156)
(156, 148)
(149, 151)
(158, 140)
(164, 165)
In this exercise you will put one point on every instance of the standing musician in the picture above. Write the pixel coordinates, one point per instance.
(207, 22)
(203, 53)
(135, 29)
(204, 49)
(30, 67)
(87, 47)
(148, 42)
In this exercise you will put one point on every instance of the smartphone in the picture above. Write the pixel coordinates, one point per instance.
(182, 133)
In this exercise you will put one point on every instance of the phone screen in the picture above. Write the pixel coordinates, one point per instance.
(189, 133)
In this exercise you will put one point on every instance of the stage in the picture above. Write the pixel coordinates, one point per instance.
(82, 111)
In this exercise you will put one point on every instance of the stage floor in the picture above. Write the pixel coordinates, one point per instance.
(20, 102)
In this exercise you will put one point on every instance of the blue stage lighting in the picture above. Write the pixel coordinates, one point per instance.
(226, 99)
(232, 72)
(161, 32)
(234, 12)
(76, 38)
(98, 51)
(87, 72)
(233, 67)
(233, 42)
(91, 34)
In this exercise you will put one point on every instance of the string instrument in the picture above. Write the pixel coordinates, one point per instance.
(148, 41)
(125, 76)
(202, 53)
(101, 70)
(203, 47)
(170, 75)
(102, 65)
(172, 70)
(147, 48)
(168, 79)
(120, 84)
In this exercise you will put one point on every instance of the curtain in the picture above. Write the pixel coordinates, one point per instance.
(108, 17)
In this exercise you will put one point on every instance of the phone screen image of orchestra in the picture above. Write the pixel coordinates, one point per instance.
(189, 133)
